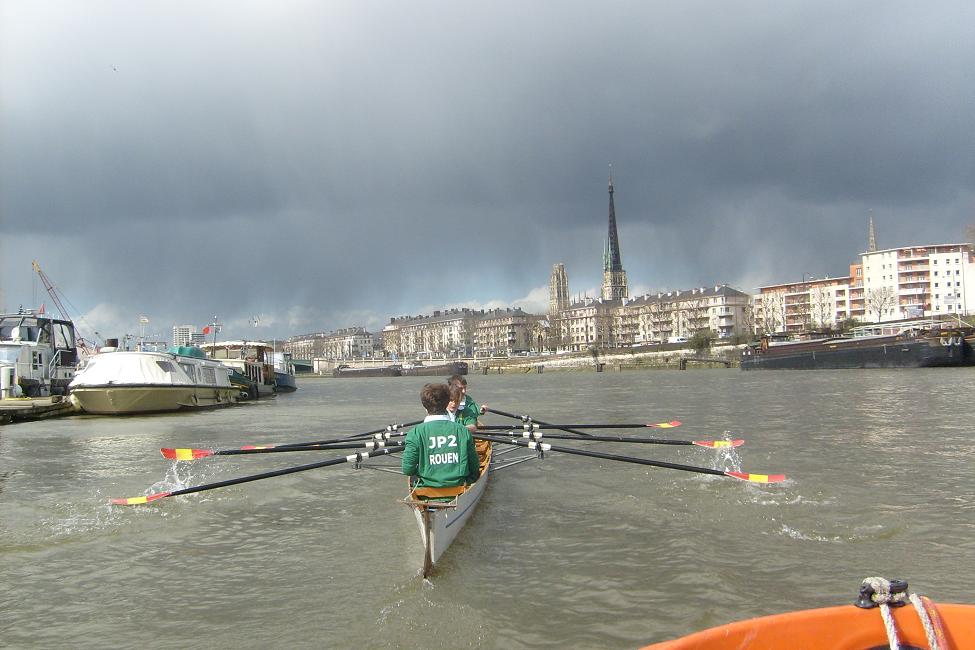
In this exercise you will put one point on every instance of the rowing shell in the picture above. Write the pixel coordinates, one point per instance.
(440, 521)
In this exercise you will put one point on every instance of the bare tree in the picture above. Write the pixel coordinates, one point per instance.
(747, 322)
(881, 300)
(773, 311)
(822, 307)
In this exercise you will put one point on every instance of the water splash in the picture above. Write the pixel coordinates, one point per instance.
(727, 459)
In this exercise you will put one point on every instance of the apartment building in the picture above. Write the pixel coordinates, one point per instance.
(346, 343)
(916, 281)
(799, 306)
(444, 333)
(653, 318)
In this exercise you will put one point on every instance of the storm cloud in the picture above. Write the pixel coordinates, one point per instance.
(320, 165)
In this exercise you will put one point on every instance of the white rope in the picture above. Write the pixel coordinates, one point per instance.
(922, 612)
(884, 598)
(889, 626)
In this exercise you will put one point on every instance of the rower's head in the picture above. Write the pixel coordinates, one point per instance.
(459, 382)
(434, 398)
(456, 397)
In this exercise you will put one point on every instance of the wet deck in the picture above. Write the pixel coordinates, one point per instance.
(34, 408)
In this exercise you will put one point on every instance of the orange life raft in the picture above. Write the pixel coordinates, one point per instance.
(835, 628)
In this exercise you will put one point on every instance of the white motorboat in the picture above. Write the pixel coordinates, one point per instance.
(38, 355)
(117, 382)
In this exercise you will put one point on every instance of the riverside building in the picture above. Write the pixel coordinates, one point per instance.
(885, 285)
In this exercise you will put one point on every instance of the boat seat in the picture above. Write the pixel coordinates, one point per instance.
(438, 492)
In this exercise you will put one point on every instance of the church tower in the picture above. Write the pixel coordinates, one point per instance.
(558, 293)
(871, 237)
(614, 277)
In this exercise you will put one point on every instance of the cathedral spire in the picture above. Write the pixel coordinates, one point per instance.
(614, 277)
(612, 261)
(872, 237)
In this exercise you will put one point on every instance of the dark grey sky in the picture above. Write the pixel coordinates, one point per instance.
(321, 165)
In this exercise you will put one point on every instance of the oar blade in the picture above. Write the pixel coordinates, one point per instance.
(665, 425)
(185, 454)
(756, 478)
(136, 501)
(718, 444)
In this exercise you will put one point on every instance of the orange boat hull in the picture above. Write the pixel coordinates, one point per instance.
(833, 628)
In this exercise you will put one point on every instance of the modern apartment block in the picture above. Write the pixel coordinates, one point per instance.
(886, 285)
(798, 306)
(182, 334)
(917, 281)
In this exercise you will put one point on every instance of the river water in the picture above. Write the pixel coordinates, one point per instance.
(565, 551)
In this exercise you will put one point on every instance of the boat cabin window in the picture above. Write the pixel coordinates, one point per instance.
(189, 370)
(166, 366)
(63, 335)
(209, 376)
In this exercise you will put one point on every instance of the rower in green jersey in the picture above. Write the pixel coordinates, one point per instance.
(439, 453)
(467, 410)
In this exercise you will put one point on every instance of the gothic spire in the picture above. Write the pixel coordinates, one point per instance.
(612, 261)
(872, 237)
(614, 277)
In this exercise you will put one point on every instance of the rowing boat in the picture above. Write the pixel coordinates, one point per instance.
(846, 627)
(440, 521)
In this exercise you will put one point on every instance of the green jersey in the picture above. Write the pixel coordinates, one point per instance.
(440, 453)
(470, 412)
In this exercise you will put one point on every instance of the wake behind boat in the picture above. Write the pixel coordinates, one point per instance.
(118, 382)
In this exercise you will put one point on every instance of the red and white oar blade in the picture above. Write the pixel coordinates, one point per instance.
(185, 454)
(718, 444)
(665, 425)
(135, 501)
(756, 478)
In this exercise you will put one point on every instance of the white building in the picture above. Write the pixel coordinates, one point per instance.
(182, 334)
(916, 281)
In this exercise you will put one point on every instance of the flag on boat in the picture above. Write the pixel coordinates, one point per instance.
(206, 330)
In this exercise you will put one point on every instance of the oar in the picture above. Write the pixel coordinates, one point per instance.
(176, 453)
(354, 458)
(542, 446)
(356, 436)
(535, 424)
(566, 428)
(713, 444)
(196, 454)
(185, 453)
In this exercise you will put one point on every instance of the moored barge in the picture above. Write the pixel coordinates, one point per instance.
(910, 347)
